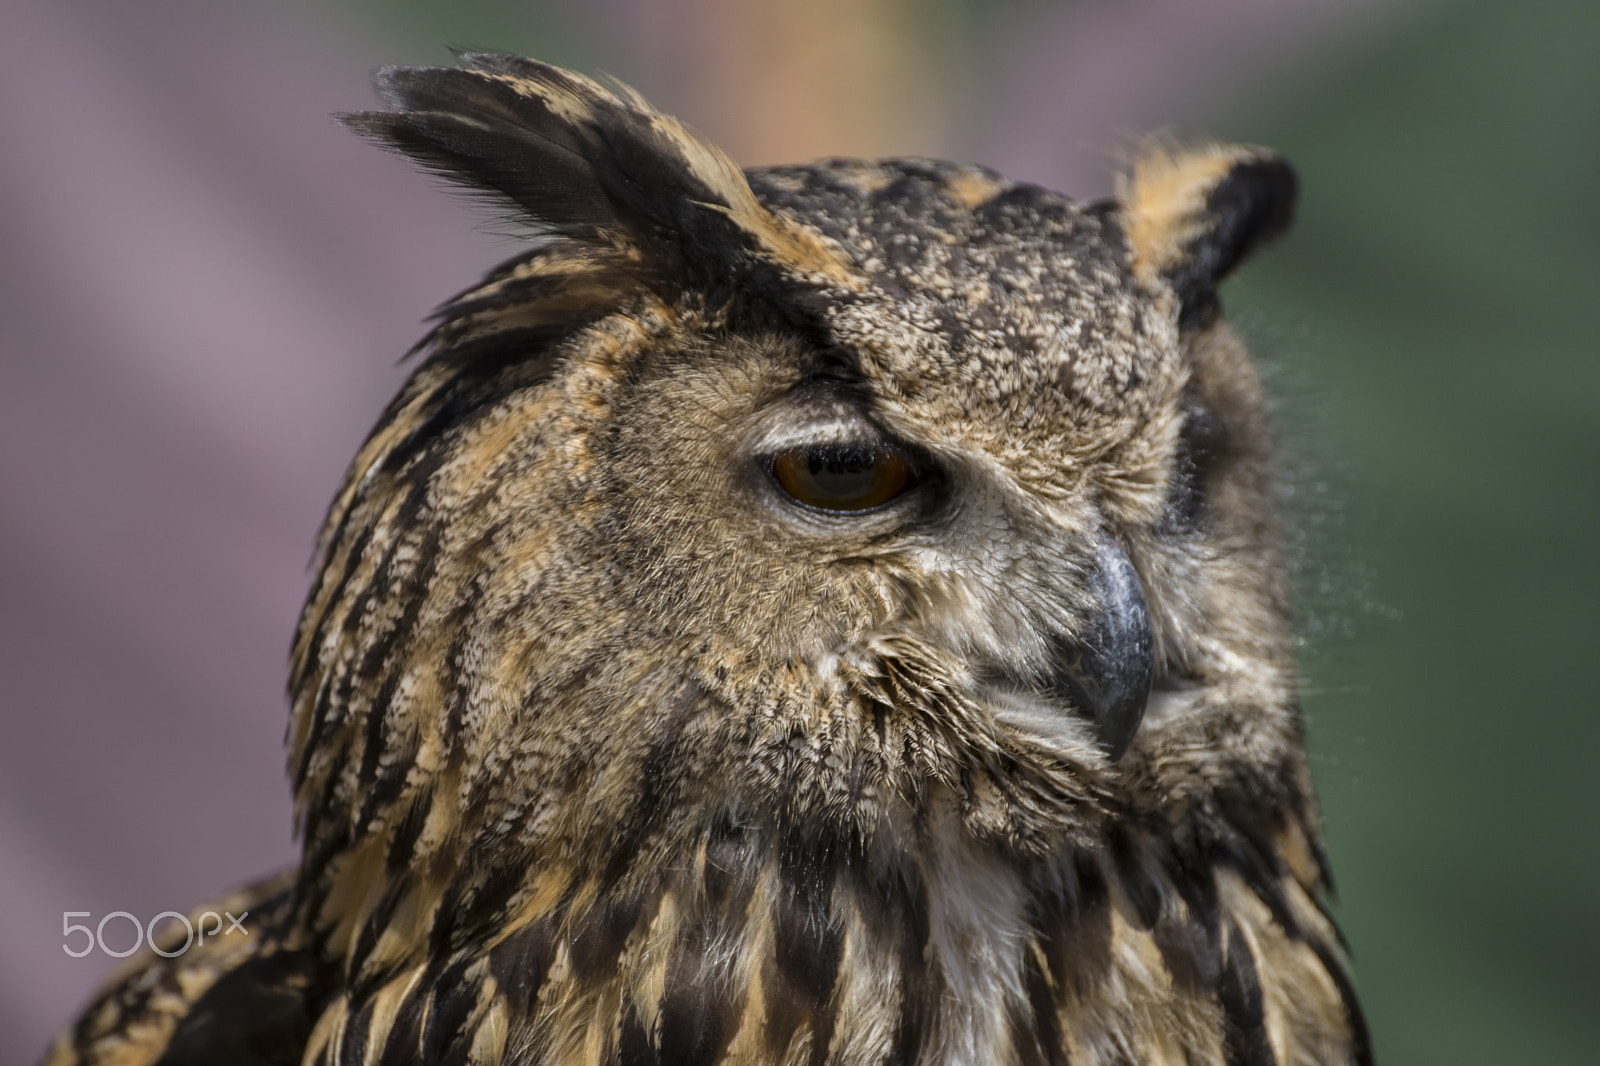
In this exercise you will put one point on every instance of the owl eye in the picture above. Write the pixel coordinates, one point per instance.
(843, 477)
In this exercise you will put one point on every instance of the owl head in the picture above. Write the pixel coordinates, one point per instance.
(885, 510)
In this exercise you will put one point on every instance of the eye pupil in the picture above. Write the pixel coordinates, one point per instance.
(841, 472)
(843, 477)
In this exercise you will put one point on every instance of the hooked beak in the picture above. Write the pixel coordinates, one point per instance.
(1106, 672)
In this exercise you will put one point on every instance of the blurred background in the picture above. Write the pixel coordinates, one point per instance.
(205, 285)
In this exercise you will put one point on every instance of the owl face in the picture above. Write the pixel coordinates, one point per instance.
(965, 495)
(849, 496)
(1001, 467)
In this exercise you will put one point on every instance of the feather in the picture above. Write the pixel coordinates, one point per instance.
(586, 163)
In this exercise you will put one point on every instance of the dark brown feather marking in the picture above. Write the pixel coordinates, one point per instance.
(1240, 996)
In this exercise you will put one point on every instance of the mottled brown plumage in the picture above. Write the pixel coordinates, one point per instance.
(607, 748)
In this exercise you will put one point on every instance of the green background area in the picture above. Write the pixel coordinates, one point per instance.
(1434, 309)
(1428, 327)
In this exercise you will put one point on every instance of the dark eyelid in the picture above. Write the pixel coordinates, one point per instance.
(812, 403)
(820, 390)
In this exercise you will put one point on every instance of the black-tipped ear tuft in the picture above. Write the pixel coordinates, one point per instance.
(627, 200)
(587, 163)
(1192, 217)
(532, 138)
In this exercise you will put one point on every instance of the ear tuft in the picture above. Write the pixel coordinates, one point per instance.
(1192, 216)
(586, 163)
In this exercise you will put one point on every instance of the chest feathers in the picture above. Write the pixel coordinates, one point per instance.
(761, 948)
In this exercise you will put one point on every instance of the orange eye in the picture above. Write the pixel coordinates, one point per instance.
(843, 477)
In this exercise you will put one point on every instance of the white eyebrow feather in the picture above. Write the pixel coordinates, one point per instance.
(826, 429)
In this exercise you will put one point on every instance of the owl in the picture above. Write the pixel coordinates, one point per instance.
(827, 614)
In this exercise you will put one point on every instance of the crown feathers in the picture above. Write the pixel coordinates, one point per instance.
(1192, 216)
